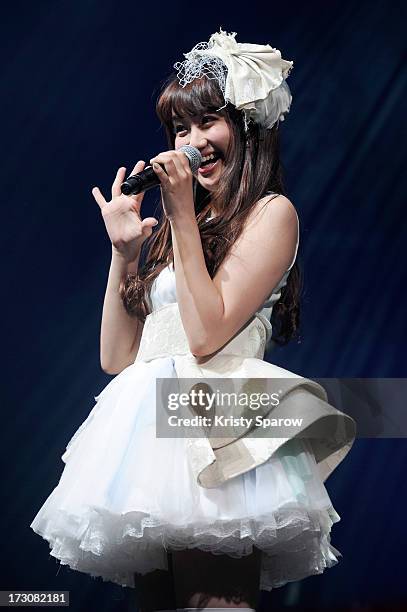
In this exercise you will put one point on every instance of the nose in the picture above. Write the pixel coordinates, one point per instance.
(197, 139)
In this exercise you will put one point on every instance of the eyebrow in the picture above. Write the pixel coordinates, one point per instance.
(176, 117)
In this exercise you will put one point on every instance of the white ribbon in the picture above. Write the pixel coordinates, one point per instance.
(255, 80)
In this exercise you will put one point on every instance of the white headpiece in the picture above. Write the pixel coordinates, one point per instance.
(251, 77)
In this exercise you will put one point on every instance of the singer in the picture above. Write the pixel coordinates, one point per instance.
(202, 522)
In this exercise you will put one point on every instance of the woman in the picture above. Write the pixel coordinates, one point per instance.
(194, 522)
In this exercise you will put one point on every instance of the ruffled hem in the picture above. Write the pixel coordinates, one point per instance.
(295, 542)
(126, 497)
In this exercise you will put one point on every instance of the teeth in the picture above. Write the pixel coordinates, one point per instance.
(208, 157)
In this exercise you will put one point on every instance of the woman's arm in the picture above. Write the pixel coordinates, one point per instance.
(199, 301)
(213, 311)
(120, 334)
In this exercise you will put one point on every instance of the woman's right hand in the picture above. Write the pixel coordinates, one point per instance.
(126, 230)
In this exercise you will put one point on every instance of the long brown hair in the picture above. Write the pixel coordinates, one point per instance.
(252, 168)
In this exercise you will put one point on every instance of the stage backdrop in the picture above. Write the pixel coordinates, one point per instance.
(79, 82)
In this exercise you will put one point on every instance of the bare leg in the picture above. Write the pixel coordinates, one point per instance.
(203, 579)
(155, 590)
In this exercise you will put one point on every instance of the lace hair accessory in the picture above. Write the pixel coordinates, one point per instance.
(251, 77)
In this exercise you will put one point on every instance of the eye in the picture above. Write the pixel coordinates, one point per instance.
(179, 128)
(207, 118)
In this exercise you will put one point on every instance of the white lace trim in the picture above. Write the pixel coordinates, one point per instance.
(164, 335)
(196, 66)
(295, 542)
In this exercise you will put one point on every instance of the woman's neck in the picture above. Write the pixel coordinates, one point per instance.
(213, 212)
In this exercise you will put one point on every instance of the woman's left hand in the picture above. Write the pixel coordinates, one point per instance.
(176, 183)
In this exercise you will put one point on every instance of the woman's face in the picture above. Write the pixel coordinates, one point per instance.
(210, 133)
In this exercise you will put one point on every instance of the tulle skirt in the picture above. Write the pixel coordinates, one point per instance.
(126, 497)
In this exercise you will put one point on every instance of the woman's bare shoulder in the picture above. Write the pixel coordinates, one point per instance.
(275, 206)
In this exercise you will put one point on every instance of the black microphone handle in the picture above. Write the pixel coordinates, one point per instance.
(141, 182)
(147, 178)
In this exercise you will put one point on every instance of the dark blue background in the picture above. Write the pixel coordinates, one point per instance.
(79, 81)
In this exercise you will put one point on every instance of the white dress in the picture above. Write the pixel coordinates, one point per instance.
(126, 497)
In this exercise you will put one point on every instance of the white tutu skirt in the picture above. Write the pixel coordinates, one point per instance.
(126, 497)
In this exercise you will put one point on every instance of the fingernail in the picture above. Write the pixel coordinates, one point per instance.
(156, 166)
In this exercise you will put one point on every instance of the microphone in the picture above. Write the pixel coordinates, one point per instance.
(147, 178)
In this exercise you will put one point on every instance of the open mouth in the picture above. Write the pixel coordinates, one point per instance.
(209, 165)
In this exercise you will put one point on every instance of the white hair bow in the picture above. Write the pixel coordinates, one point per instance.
(251, 77)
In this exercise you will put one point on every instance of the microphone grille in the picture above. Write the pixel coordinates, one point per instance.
(194, 156)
